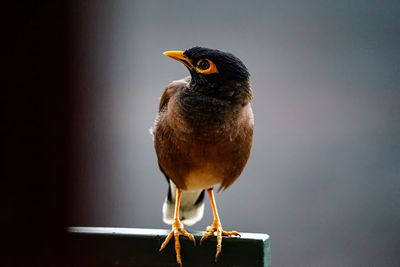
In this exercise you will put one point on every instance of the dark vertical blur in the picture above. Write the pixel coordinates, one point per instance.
(36, 102)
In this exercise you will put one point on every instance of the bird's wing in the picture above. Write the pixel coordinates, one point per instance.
(170, 90)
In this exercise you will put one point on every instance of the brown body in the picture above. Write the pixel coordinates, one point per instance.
(210, 146)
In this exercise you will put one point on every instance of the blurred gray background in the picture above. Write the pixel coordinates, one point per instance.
(323, 178)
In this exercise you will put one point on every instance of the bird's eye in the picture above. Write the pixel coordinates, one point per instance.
(206, 66)
(203, 64)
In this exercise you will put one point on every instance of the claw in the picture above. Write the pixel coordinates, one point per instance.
(176, 229)
(224, 233)
(216, 227)
(167, 239)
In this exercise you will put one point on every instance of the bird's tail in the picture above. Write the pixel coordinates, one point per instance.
(191, 208)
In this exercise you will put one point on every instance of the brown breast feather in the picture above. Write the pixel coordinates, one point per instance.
(218, 155)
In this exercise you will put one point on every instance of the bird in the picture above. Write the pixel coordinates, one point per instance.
(202, 137)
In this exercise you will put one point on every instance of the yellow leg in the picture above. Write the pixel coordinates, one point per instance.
(177, 227)
(216, 226)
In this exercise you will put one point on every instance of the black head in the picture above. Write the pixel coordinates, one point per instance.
(210, 68)
(227, 66)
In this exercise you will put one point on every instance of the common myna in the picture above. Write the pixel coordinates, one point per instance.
(202, 137)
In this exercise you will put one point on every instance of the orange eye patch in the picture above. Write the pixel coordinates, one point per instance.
(206, 66)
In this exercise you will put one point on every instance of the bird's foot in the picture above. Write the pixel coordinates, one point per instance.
(177, 228)
(216, 227)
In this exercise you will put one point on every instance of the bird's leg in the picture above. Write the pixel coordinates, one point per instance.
(216, 226)
(177, 227)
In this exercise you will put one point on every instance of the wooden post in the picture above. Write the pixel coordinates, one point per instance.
(103, 246)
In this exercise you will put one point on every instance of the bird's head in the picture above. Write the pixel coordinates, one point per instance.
(213, 72)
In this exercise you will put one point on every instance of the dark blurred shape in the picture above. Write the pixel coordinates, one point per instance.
(35, 104)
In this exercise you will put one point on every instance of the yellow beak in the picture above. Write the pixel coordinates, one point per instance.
(178, 55)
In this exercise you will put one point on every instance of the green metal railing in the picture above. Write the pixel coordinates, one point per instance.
(101, 246)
